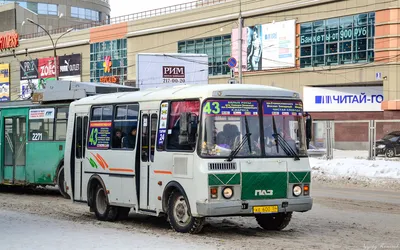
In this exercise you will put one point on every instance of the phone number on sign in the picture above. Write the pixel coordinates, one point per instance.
(174, 80)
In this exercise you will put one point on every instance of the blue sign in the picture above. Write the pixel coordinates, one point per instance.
(283, 108)
(232, 62)
(340, 99)
(231, 107)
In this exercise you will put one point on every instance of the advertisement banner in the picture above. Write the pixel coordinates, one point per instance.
(285, 108)
(25, 90)
(254, 48)
(69, 65)
(5, 82)
(159, 70)
(231, 107)
(332, 99)
(279, 45)
(99, 135)
(37, 114)
(47, 68)
(28, 70)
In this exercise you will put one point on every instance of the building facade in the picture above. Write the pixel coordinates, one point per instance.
(342, 56)
(54, 14)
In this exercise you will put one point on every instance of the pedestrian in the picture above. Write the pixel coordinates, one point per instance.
(308, 128)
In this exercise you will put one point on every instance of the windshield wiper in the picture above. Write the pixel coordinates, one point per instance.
(286, 146)
(245, 138)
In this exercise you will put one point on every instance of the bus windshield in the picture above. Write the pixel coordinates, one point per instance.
(228, 123)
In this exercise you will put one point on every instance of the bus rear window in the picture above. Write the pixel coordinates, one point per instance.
(41, 124)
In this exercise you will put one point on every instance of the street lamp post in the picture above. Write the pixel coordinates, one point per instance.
(52, 41)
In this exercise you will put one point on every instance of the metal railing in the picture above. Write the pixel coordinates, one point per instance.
(132, 17)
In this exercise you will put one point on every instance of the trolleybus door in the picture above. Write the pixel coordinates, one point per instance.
(80, 133)
(14, 136)
(148, 129)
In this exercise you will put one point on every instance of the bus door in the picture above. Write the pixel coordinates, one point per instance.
(14, 136)
(148, 129)
(80, 136)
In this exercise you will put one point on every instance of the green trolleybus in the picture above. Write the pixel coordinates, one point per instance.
(33, 133)
(190, 152)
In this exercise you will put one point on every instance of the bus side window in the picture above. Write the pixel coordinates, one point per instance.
(125, 126)
(41, 129)
(78, 139)
(173, 130)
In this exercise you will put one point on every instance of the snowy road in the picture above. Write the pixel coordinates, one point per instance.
(347, 218)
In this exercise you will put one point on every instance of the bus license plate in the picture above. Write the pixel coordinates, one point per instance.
(265, 209)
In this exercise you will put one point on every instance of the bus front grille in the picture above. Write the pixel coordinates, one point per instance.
(222, 166)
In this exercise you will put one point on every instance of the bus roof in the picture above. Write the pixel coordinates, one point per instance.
(191, 92)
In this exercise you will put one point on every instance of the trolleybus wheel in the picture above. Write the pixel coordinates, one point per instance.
(274, 221)
(180, 217)
(102, 209)
(61, 183)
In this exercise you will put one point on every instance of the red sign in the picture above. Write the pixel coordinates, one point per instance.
(47, 67)
(173, 72)
(9, 40)
(109, 79)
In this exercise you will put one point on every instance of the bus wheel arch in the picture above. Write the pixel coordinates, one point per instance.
(177, 207)
(60, 180)
(98, 200)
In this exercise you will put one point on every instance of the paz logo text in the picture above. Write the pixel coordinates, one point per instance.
(264, 192)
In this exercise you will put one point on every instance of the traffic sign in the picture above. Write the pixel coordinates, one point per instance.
(232, 62)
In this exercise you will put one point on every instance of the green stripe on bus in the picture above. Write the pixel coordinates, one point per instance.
(300, 177)
(223, 179)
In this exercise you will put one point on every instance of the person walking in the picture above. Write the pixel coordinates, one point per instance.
(308, 129)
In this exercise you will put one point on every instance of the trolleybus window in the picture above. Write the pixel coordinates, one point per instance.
(41, 124)
(227, 124)
(177, 108)
(61, 123)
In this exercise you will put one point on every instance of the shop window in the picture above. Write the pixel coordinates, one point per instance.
(342, 40)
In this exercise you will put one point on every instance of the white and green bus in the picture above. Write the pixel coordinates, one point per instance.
(190, 152)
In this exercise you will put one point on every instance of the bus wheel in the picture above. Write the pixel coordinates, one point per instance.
(180, 217)
(61, 183)
(274, 221)
(123, 213)
(102, 209)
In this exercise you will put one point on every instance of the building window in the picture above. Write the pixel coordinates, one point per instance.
(217, 48)
(83, 13)
(108, 61)
(47, 9)
(336, 41)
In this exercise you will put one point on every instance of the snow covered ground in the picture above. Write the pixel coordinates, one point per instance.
(354, 165)
(27, 231)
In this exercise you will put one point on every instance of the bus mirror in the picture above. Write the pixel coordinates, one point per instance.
(188, 128)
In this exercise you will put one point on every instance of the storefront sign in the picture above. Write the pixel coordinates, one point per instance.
(36, 114)
(285, 108)
(107, 64)
(321, 99)
(47, 67)
(9, 40)
(231, 108)
(99, 135)
(109, 79)
(173, 72)
(69, 65)
(28, 70)
(4, 82)
(334, 35)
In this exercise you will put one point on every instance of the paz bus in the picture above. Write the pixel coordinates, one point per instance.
(190, 152)
(33, 133)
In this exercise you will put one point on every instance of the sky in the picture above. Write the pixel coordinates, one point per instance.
(125, 7)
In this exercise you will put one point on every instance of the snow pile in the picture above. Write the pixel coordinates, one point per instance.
(354, 165)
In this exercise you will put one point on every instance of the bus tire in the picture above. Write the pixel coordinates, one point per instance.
(61, 183)
(180, 217)
(274, 222)
(102, 209)
(123, 213)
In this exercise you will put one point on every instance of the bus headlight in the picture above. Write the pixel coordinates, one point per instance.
(297, 190)
(227, 192)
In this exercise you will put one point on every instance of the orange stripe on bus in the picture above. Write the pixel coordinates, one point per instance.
(102, 159)
(121, 170)
(99, 161)
(162, 172)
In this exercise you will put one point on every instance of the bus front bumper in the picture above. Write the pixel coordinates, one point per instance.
(228, 208)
